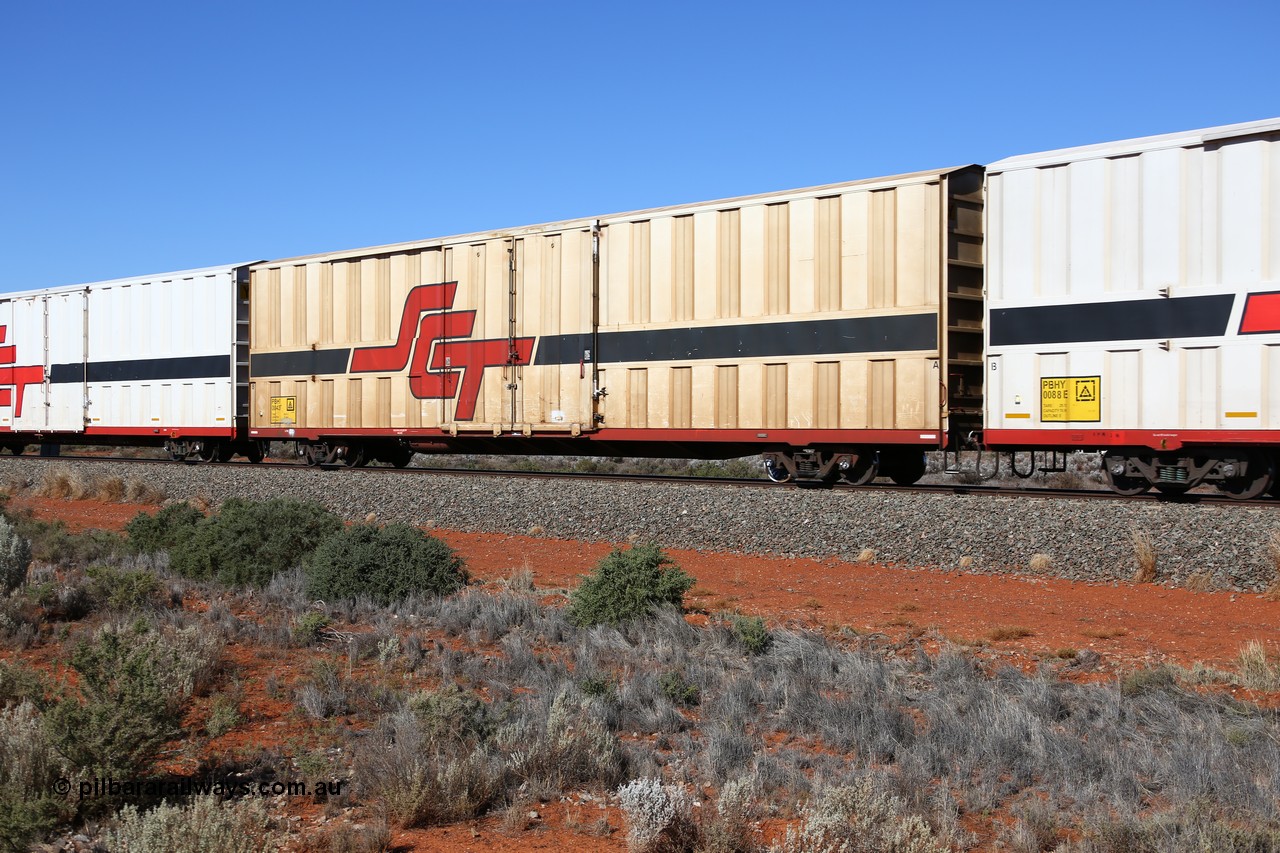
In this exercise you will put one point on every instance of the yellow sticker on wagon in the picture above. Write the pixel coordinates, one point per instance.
(284, 410)
(1071, 398)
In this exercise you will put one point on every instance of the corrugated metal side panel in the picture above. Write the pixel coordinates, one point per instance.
(160, 353)
(1180, 222)
(553, 297)
(1181, 218)
(358, 303)
(165, 320)
(858, 253)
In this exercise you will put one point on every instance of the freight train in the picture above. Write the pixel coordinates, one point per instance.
(1121, 298)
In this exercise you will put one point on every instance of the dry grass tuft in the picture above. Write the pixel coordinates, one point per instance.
(1144, 551)
(537, 530)
(966, 563)
(108, 489)
(867, 555)
(1258, 671)
(1041, 563)
(142, 492)
(55, 483)
(371, 518)
(908, 607)
(521, 580)
(1201, 581)
(1009, 632)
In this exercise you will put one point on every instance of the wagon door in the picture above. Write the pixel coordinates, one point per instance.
(44, 362)
(552, 319)
(65, 332)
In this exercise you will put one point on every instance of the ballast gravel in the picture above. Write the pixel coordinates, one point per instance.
(1090, 540)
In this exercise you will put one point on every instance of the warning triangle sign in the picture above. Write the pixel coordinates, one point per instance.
(1086, 391)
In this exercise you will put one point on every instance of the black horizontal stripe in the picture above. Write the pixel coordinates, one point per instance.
(143, 369)
(1143, 319)
(897, 333)
(301, 363)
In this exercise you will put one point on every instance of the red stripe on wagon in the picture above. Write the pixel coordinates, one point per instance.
(1261, 314)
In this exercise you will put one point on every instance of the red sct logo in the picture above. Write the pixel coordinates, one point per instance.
(435, 342)
(14, 380)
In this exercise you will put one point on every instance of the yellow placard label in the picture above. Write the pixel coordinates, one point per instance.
(284, 410)
(1071, 398)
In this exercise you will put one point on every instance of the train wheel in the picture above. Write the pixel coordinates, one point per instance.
(353, 456)
(1127, 486)
(863, 471)
(255, 452)
(903, 467)
(315, 454)
(775, 470)
(17, 449)
(400, 457)
(1120, 482)
(1260, 477)
(209, 451)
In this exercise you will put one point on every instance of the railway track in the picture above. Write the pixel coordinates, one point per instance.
(959, 489)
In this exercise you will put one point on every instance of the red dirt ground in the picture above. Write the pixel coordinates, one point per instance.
(1126, 624)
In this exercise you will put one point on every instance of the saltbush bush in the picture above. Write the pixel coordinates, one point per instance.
(134, 680)
(28, 768)
(249, 543)
(207, 823)
(15, 557)
(121, 589)
(149, 534)
(626, 585)
(54, 542)
(387, 564)
(752, 633)
(308, 629)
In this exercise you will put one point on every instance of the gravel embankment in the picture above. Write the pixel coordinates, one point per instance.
(1085, 540)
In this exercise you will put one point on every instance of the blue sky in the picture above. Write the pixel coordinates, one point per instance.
(144, 137)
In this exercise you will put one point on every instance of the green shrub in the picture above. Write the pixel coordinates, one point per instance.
(597, 687)
(149, 534)
(674, 686)
(15, 557)
(224, 714)
(53, 542)
(28, 768)
(306, 631)
(250, 543)
(20, 684)
(387, 564)
(134, 681)
(752, 633)
(120, 589)
(450, 713)
(626, 585)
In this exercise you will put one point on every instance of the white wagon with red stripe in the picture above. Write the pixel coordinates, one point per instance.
(151, 360)
(1133, 306)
